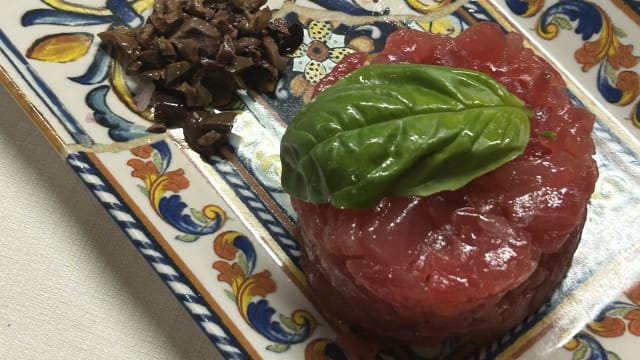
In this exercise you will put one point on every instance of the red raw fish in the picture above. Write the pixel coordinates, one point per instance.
(474, 262)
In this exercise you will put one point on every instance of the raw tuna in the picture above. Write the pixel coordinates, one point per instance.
(471, 263)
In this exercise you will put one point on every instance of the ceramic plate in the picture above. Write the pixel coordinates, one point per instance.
(220, 232)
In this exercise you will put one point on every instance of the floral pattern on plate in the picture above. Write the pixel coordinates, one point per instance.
(377, 7)
(219, 230)
(71, 46)
(151, 165)
(607, 52)
(238, 270)
(610, 323)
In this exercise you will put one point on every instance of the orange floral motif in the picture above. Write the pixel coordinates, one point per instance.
(610, 323)
(224, 246)
(149, 172)
(621, 55)
(143, 151)
(634, 321)
(244, 284)
(175, 181)
(607, 327)
(151, 165)
(259, 284)
(237, 268)
(592, 52)
(633, 293)
(158, 184)
(232, 274)
(606, 46)
(144, 170)
(629, 83)
(605, 51)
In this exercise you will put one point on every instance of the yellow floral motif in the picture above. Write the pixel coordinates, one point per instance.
(249, 290)
(121, 87)
(69, 47)
(533, 7)
(610, 323)
(429, 6)
(572, 344)
(138, 5)
(60, 48)
(151, 165)
(316, 350)
(319, 30)
(607, 45)
(316, 56)
(448, 25)
(619, 87)
(156, 182)
(244, 285)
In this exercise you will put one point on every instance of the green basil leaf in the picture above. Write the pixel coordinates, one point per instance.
(400, 130)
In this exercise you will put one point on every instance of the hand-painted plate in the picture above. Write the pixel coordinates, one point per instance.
(220, 231)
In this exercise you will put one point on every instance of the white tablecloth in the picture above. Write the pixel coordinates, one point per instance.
(72, 285)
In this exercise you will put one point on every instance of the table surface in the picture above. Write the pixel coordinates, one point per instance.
(73, 286)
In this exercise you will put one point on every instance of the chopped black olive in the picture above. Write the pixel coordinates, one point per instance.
(198, 53)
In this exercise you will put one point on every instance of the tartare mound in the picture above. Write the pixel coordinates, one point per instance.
(474, 262)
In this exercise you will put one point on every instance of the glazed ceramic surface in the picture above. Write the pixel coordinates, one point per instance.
(220, 231)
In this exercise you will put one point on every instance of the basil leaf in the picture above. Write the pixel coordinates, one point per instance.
(400, 130)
